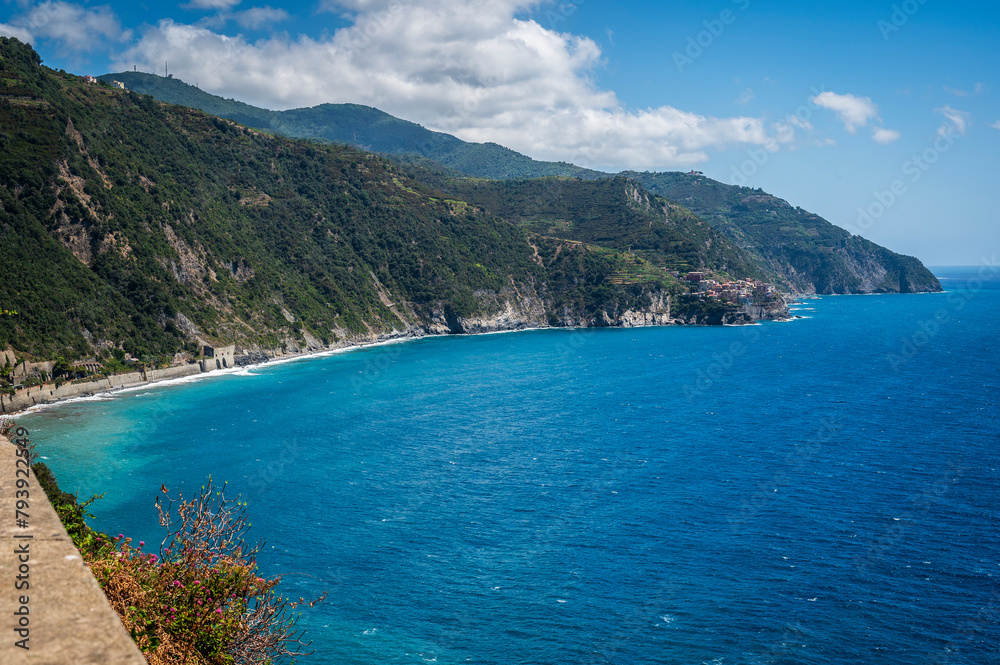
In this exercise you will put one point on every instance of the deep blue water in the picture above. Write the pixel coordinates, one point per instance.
(825, 490)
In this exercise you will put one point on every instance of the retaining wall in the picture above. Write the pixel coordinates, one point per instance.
(48, 392)
(61, 608)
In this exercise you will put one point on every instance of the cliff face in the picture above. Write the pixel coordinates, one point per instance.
(652, 307)
(774, 310)
(517, 312)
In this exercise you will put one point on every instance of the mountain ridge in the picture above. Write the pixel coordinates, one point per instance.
(800, 251)
(362, 126)
(137, 232)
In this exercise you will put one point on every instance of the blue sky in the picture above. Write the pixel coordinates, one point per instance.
(883, 117)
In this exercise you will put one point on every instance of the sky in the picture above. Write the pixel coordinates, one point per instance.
(882, 117)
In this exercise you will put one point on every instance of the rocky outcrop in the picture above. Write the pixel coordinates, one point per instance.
(716, 319)
(773, 310)
(499, 312)
(509, 312)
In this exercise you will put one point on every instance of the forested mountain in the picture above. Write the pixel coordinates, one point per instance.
(360, 126)
(801, 249)
(128, 225)
(613, 212)
(797, 249)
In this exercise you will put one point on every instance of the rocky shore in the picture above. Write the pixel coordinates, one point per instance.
(510, 314)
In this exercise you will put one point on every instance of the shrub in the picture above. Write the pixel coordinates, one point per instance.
(201, 600)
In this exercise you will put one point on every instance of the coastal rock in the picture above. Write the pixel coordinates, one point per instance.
(775, 310)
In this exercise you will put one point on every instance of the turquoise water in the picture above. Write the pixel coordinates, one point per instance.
(818, 491)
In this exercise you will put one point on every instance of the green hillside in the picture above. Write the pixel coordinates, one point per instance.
(797, 249)
(801, 249)
(613, 212)
(130, 225)
(360, 126)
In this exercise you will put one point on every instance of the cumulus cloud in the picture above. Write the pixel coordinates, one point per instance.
(853, 111)
(956, 122)
(17, 32)
(884, 136)
(468, 67)
(74, 28)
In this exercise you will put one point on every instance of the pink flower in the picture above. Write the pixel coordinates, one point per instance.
(218, 611)
(142, 543)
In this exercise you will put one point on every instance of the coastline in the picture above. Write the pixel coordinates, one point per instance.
(93, 391)
(36, 398)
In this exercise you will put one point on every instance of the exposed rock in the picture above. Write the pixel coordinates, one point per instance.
(775, 310)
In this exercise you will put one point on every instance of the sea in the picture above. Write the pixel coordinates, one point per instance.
(821, 490)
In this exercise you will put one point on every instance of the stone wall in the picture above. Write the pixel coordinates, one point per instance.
(65, 616)
(48, 392)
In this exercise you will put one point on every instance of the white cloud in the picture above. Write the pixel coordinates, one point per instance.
(259, 17)
(74, 27)
(211, 4)
(884, 136)
(996, 125)
(956, 122)
(856, 112)
(467, 67)
(853, 111)
(957, 93)
(979, 88)
(22, 34)
(379, 5)
(745, 97)
(800, 122)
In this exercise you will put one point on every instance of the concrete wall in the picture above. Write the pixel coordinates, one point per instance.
(28, 397)
(172, 372)
(70, 621)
